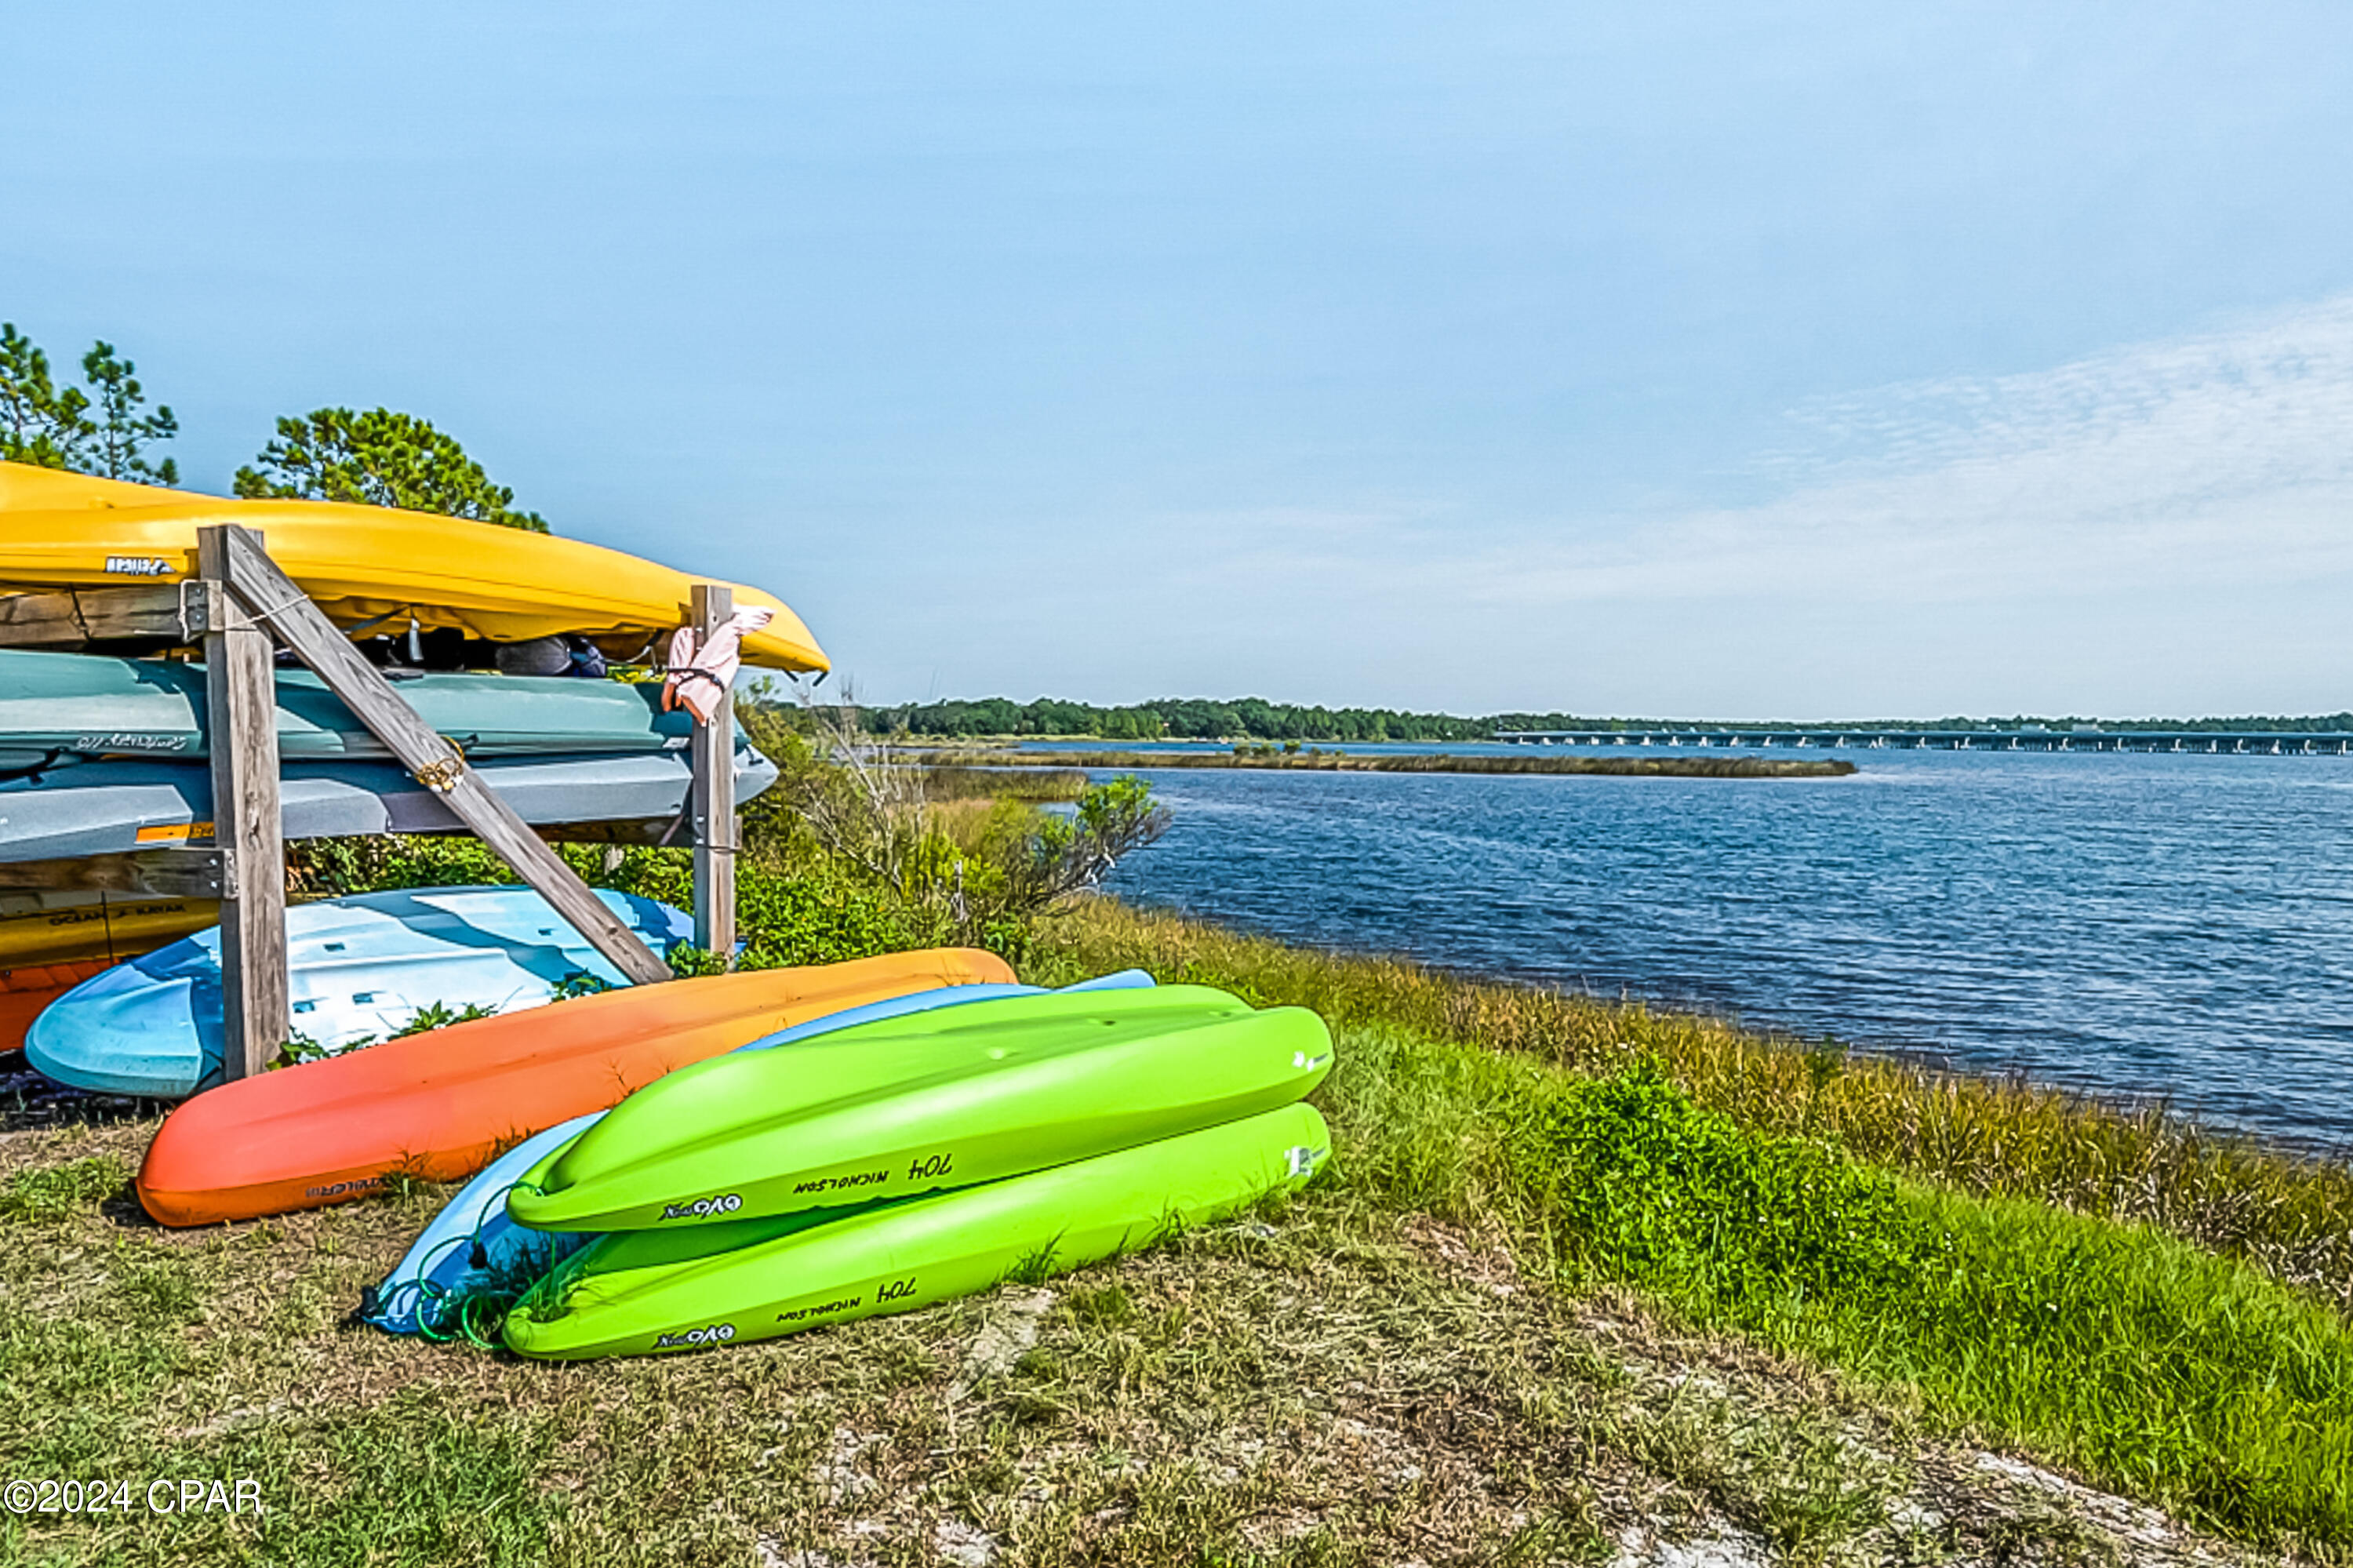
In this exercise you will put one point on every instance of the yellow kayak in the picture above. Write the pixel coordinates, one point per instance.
(52, 942)
(367, 565)
(37, 928)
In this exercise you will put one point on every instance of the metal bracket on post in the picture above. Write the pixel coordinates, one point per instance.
(241, 733)
(711, 801)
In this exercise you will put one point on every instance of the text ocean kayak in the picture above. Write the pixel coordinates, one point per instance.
(63, 928)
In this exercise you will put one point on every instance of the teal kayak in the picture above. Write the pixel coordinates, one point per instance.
(107, 806)
(357, 968)
(925, 1102)
(733, 1283)
(90, 705)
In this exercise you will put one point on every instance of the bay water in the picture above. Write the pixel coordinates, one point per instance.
(2145, 926)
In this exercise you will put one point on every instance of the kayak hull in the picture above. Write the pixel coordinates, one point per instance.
(441, 1105)
(66, 927)
(83, 809)
(357, 968)
(369, 566)
(919, 1104)
(641, 1293)
(95, 706)
(26, 992)
(473, 1244)
(52, 942)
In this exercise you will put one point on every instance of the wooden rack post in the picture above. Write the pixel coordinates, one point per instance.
(241, 733)
(237, 603)
(258, 591)
(711, 800)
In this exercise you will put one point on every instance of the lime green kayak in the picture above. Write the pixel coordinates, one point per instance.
(925, 1102)
(728, 1284)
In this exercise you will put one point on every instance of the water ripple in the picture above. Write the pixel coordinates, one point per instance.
(2161, 926)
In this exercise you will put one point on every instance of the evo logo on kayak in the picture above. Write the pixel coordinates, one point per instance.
(717, 1334)
(704, 1208)
(137, 566)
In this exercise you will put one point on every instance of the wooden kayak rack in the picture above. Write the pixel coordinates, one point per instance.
(239, 605)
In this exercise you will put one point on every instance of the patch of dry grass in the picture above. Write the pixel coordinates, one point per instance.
(1352, 1376)
(1326, 1381)
(952, 781)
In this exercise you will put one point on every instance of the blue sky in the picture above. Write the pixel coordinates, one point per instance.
(1857, 360)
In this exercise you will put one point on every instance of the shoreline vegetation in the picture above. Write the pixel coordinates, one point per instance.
(1256, 719)
(1314, 761)
(2287, 1211)
(1586, 1281)
(2117, 1287)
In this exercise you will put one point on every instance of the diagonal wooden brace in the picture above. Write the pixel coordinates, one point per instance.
(262, 593)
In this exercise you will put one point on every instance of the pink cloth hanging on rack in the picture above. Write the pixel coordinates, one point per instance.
(701, 678)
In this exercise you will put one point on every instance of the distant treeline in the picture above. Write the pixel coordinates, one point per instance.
(1253, 719)
(1176, 719)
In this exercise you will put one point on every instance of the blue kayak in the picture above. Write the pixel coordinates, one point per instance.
(358, 969)
(65, 810)
(472, 1247)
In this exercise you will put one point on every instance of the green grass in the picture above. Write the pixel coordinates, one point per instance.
(2168, 1372)
(2157, 1366)
(1310, 1386)
(1350, 1377)
(2289, 1216)
(1578, 1273)
(52, 1192)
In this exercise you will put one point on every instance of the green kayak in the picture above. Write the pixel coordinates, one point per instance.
(928, 1101)
(728, 1284)
(87, 704)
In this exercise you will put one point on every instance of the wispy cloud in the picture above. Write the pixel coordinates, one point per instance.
(2225, 457)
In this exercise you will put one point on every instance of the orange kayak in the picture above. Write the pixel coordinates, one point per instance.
(52, 942)
(28, 988)
(437, 1107)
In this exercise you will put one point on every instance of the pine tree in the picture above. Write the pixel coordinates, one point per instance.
(121, 432)
(379, 458)
(40, 422)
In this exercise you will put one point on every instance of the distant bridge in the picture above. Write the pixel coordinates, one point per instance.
(1855, 737)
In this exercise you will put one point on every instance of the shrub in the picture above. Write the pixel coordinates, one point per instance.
(1649, 1186)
